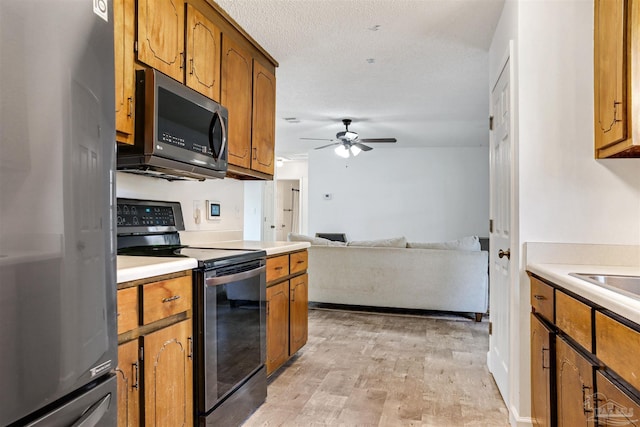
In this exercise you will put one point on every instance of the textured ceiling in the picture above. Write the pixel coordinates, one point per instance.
(428, 83)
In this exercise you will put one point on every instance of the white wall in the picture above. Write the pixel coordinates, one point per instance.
(229, 192)
(563, 193)
(424, 194)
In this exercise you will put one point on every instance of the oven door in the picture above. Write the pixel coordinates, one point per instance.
(233, 339)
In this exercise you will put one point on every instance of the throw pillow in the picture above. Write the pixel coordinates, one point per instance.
(316, 241)
(395, 242)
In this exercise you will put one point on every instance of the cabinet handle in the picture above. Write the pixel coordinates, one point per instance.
(539, 297)
(586, 407)
(173, 298)
(136, 374)
(301, 262)
(130, 102)
(190, 341)
(278, 268)
(615, 111)
(255, 153)
(181, 60)
(293, 295)
(544, 365)
(191, 65)
(268, 308)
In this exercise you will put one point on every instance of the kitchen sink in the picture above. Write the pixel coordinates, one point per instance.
(627, 285)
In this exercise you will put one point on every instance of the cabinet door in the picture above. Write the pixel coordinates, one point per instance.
(168, 373)
(236, 96)
(542, 404)
(264, 119)
(574, 380)
(203, 54)
(299, 312)
(614, 406)
(127, 373)
(161, 36)
(123, 37)
(277, 325)
(610, 74)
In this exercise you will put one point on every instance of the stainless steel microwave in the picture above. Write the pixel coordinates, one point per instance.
(179, 133)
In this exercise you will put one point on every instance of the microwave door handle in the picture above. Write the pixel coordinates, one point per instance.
(212, 126)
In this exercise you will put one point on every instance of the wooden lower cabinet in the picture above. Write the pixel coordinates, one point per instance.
(155, 361)
(277, 325)
(127, 373)
(542, 339)
(168, 376)
(574, 381)
(615, 407)
(298, 312)
(287, 307)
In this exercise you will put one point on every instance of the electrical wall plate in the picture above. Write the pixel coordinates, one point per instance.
(214, 211)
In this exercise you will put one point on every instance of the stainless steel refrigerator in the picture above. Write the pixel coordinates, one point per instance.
(58, 343)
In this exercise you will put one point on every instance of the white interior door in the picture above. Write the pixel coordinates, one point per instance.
(268, 212)
(500, 231)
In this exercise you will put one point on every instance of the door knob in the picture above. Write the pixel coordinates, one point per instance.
(502, 254)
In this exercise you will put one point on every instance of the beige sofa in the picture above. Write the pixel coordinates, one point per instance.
(408, 278)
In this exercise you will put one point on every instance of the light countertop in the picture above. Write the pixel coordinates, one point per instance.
(140, 267)
(272, 248)
(617, 260)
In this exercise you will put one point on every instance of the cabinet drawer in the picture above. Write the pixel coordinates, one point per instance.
(165, 298)
(574, 318)
(542, 299)
(277, 267)
(298, 262)
(127, 309)
(622, 359)
(615, 407)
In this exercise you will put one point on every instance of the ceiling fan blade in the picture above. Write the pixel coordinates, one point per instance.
(328, 145)
(362, 146)
(318, 139)
(378, 140)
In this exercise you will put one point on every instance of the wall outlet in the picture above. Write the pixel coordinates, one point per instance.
(197, 211)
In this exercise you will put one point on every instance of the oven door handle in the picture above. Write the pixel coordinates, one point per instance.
(221, 280)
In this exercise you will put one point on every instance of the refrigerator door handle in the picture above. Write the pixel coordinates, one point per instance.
(94, 414)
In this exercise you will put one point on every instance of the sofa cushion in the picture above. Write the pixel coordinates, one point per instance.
(394, 242)
(469, 243)
(317, 241)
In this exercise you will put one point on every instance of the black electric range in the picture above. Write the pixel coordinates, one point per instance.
(229, 310)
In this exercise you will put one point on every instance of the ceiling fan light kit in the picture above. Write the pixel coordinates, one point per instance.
(348, 143)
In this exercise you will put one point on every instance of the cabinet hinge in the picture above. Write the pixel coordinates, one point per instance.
(490, 122)
(135, 46)
(141, 353)
(490, 328)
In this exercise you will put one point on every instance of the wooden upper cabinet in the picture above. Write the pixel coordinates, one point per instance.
(124, 39)
(264, 119)
(617, 79)
(237, 75)
(203, 54)
(161, 36)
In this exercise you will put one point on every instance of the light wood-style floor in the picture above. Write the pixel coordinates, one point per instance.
(361, 369)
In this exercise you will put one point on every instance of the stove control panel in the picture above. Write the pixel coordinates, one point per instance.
(143, 216)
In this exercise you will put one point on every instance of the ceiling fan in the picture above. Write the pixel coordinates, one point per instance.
(348, 142)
